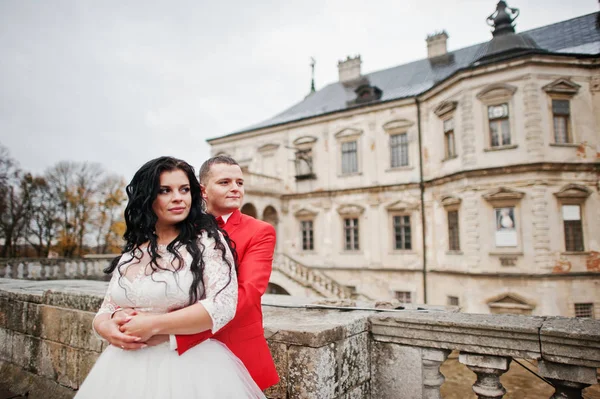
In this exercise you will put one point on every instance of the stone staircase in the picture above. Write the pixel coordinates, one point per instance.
(312, 278)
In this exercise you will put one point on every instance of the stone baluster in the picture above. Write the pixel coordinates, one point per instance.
(568, 380)
(488, 370)
(432, 378)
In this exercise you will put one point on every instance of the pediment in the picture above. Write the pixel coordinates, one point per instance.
(502, 194)
(449, 200)
(398, 124)
(402, 206)
(562, 86)
(574, 191)
(305, 213)
(496, 91)
(510, 300)
(304, 141)
(350, 209)
(445, 107)
(348, 132)
(270, 147)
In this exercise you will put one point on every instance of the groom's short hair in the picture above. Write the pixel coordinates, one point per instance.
(205, 168)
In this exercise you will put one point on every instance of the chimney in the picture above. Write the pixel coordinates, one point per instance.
(349, 69)
(436, 44)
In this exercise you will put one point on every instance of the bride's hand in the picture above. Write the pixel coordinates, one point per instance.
(109, 330)
(140, 325)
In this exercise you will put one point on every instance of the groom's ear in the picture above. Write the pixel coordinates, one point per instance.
(203, 191)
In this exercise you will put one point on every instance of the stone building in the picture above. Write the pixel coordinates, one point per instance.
(468, 178)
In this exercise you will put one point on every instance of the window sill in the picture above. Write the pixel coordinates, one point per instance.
(580, 253)
(349, 174)
(505, 253)
(450, 158)
(402, 252)
(400, 168)
(452, 252)
(501, 147)
(569, 145)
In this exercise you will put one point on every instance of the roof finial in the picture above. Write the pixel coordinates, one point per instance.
(313, 62)
(501, 20)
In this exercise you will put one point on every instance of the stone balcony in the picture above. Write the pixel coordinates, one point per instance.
(321, 351)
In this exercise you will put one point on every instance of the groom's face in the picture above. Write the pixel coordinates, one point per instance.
(224, 189)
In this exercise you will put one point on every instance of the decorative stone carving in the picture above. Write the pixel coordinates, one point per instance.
(562, 86)
(595, 84)
(496, 91)
(348, 132)
(270, 147)
(398, 125)
(304, 142)
(510, 303)
(445, 108)
(305, 213)
(488, 370)
(573, 191)
(450, 201)
(402, 206)
(502, 194)
(350, 209)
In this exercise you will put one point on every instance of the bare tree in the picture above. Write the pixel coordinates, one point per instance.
(44, 220)
(108, 219)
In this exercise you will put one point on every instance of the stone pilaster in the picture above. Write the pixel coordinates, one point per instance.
(488, 370)
(534, 139)
(470, 207)
(467, 130)
(541, 228)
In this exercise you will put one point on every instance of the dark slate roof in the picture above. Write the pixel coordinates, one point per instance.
(575, 36)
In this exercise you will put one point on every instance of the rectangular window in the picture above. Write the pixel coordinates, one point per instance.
(404, 296)
(499, 125)
(573, 228)
(351, 234)
(506, 228)
(307, 235)
(399, 150)
(304, 165)
(402, 237)
(349, 157)
(561, 111)
(453, 232)
(584, 310)
(452, 301)
(449, 138)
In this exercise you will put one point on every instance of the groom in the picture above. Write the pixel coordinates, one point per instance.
(222, 184)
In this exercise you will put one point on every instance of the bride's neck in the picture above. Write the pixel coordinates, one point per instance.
(166, 234)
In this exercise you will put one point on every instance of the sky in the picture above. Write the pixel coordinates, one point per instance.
(122, 82)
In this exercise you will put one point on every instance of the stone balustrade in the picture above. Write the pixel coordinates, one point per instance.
(47, 349)
(257, 182)
(311, 277)
(53, 269)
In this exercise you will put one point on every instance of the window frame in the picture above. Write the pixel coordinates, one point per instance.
(305, 215)
(402, 226)
(351, 211)
(311, 233)
(355, 239)
(505, 198)
(573, 194)
(399, 146)
(353, 151)
(395, 128)
(409, 294)
(348, 135)
(562, 89)
(586, 304)
(495, 95)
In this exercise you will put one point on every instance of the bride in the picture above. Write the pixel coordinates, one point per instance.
(178, 272)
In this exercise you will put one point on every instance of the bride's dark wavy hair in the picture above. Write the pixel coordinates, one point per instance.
(141, 221)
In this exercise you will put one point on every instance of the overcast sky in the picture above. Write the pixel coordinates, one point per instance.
(121, 82)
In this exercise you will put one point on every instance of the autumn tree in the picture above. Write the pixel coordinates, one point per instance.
(108, 222)
(44, 220)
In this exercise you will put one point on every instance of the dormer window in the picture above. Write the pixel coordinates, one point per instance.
(366, 93)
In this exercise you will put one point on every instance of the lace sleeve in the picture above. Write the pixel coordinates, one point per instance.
(217, 274)
(108, 306)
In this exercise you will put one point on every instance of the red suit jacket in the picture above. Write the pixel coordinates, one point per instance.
(244, 335)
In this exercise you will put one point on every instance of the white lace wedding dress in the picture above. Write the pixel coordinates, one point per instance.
(208, 370)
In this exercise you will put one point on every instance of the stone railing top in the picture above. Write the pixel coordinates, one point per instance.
(562, 340)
